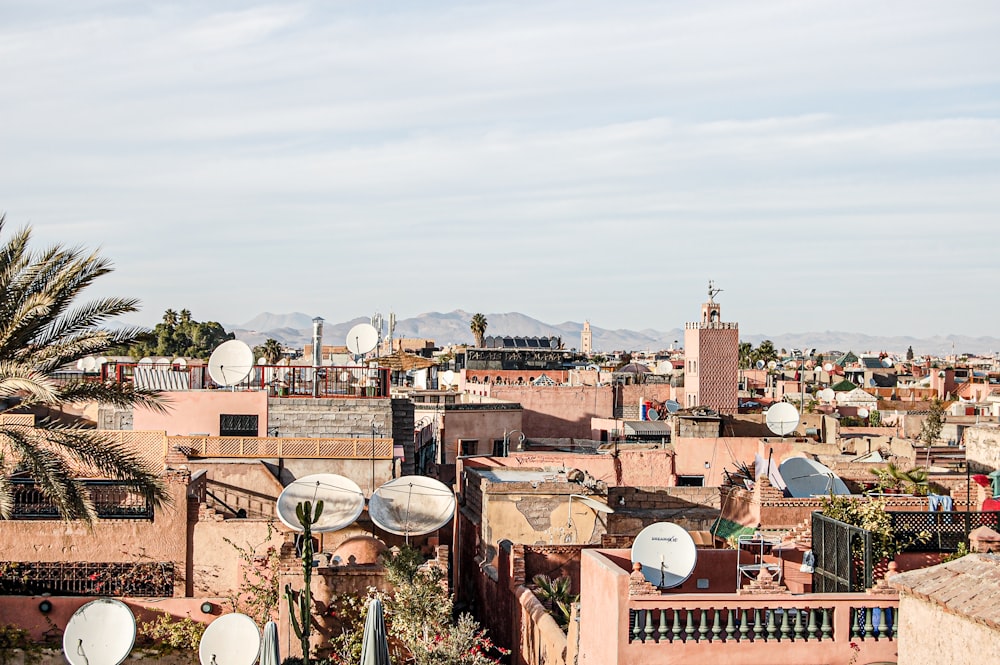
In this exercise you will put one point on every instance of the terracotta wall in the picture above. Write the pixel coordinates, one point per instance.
(559, 411)
(542, 640)
(638, 468)
(22, 611)
(930, 635)
(165, 538)
(483, 425)
(198, 411)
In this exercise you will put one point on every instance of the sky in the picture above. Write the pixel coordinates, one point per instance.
(832, 165)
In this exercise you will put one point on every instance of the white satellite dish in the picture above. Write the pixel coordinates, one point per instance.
(345, 376)
(760, 364)
(232, 639)
(102, 632)
(863, 412)
(887, 362)
(594, 504)
(89, 364)
(342, 500)
(179, 363)
(146, 362)
(805, 478)
(230, 363)
(362, 338)
(782, 418)
(827, 367)
(447, 378)
(827, 395)
(101, 360)
(262, 360)
(772, 364)
(412, 505)
(667, 554)
(79, 364)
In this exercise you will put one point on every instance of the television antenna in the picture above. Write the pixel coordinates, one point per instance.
(782, 418)
(342, 500)
(232, 639)
(362, 338)
(412, 506)
(230, 363)
(667, 554)
(102, 632)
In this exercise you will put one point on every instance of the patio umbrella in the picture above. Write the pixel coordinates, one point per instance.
(375, 642)
(269, 654)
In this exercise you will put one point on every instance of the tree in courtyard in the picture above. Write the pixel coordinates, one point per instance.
(43, 329)
(180, 336)
(270, 351)
(478, 328)
(930, 430)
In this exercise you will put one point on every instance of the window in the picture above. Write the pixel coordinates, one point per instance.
(690, 481)
(468, 446)
(498, 450)
(237, 425)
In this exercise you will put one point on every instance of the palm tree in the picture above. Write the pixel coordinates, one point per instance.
(170, 318)
(41, 331)
(746, 352)
(185, 316)
(478, 327)
(272, 351)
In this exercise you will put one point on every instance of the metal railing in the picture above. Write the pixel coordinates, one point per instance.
(145, 579)
(843, 556)
(277, 380)
(112, 500)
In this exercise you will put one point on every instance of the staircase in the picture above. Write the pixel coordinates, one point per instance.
(230, 501)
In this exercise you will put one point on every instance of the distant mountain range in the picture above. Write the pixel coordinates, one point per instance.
(295, 330)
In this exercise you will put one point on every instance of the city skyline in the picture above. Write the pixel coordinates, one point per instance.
(831, 166)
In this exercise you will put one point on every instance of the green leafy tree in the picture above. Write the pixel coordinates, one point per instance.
(765, 351)
(420, 614)
(184, 337)
(271, 351)
(42, 329)
(930, 431)
(478, 328)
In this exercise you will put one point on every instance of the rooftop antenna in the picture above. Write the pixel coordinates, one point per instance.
(412, 506)
(378, 325)
(232, 639)
(782, 418)
(667, 554)
(102, 632)
(342, 500)
(361, 339)
(712, 291)
(230, 363)
(392, 329)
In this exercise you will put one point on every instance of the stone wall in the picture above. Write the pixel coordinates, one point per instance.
(350, 418)
(982, 448)
(931, 635)
(694, 508)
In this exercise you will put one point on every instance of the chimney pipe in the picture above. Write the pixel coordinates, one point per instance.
(317, 358)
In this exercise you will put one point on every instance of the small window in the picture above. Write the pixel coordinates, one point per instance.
(498, 448)
(237, 425)
(690, 481)
(468, 446)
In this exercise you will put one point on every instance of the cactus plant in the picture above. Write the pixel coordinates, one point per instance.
(301, 602)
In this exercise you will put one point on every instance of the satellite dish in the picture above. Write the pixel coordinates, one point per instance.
(232, 639)
(283, 362)
(230, 363)
(345, 376)
(827, 395)
(362, 338)
(179, 363)
(412, 505)
(448, 378)
(827, 367)
(146, 362)
(101, 360)
(342, 500)
(772, 364)
(666, 552)
(102, 632)
(760, 364)
(862, 412)
(89, 364)
(792, 364)
(673, 406)
(782, 418)
(872, 382)
(262, 360)
(805, 478)
(79, 364)
(887, 362)
(594, 504)
(652, 414)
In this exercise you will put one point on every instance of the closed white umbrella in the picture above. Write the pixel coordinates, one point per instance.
(375, 642)
(269, 654)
